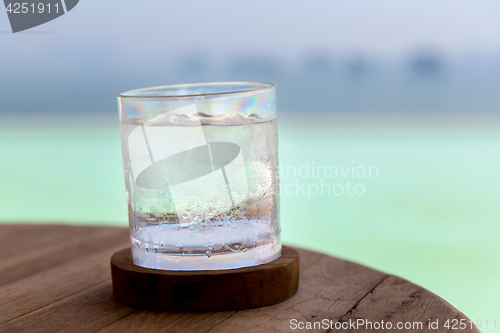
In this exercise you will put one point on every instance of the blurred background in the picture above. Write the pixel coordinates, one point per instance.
(411, 88)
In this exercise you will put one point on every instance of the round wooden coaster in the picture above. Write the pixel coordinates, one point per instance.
(199, 291)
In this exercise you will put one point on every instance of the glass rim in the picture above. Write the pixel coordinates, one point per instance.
(260, 86)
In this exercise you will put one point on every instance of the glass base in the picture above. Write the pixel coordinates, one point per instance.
(218, 261)
(252, 243)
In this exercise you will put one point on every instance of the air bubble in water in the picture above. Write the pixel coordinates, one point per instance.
(235, 247)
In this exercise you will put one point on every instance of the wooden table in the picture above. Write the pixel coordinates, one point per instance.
(57, 278)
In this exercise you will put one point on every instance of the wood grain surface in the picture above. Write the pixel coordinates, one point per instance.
(58, 278)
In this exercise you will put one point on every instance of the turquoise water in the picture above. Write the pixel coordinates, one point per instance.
(429, 212)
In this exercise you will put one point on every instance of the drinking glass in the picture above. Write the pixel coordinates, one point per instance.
(200, 164)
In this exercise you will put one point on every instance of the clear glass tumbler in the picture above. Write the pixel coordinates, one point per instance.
(200, 164)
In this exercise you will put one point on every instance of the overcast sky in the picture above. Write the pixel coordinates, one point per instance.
(142, 29)
(82, 59)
